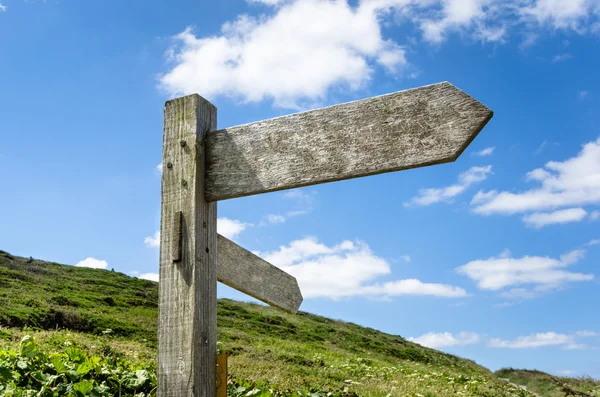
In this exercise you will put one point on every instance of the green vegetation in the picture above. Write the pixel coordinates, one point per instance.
(52, 296)
(542, 384)
(72, 371)
(101, 325)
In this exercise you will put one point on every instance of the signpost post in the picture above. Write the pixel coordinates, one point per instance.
(407, 129)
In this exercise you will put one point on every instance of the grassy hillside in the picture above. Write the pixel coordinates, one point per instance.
(52, 296)
(271, 350)
(550, 386)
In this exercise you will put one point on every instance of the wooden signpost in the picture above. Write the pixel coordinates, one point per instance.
(407, 129)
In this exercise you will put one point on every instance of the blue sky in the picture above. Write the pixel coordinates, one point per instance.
(493, 257)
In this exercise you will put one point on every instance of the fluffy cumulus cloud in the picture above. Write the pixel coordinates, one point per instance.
(569, 342)
(295, 54)
(149, 276)
(347, 269)
(297, 51)
(153, 241)
(446, 339)
(92, 263)
(572, 341)
(564, 188)
(525, 277)
(470, 177)
(231, 228)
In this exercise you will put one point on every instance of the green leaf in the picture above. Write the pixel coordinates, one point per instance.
(39, 376)
(28, 347)
(76, 355)
(58, 364)
(136, 379)
(5, 373)
(84, 368)
(73, 374)
(83, 387)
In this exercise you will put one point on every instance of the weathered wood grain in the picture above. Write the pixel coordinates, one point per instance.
(222, 374)
(246, 272)
(407, 129)
(187, 333)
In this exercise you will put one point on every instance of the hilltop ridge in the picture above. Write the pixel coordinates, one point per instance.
(268, 346)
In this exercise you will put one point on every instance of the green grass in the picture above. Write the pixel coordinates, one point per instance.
(52, 296)
(542, 384)
(273, 353)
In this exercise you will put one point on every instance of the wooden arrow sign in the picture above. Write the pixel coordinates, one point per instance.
(246, 272)
(407, 129)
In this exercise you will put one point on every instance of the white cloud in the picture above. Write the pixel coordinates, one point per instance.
(561, 57)
(566, 372)
(231, 228)
(574, 182)
(460, 15)
(568, 342)
(304, 201)
(347, 269)
(159, 168)
(519, 293)
(267, 2)
(559, 14)
(541, 273)
(594, 215)
(92, 263)
(446, 339)
(3, 8)
(297, 51)
(275, 219)
(414, 287)
(149, 276)
(594, 242)
(541, 219)
(446, 194)
(295, 55)
(406, 258)
(485, 152)
(582, 94)
(308, 247)
(153, 241)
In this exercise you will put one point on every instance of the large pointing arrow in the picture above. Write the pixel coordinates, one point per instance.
(407, 129)
(246, 272)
